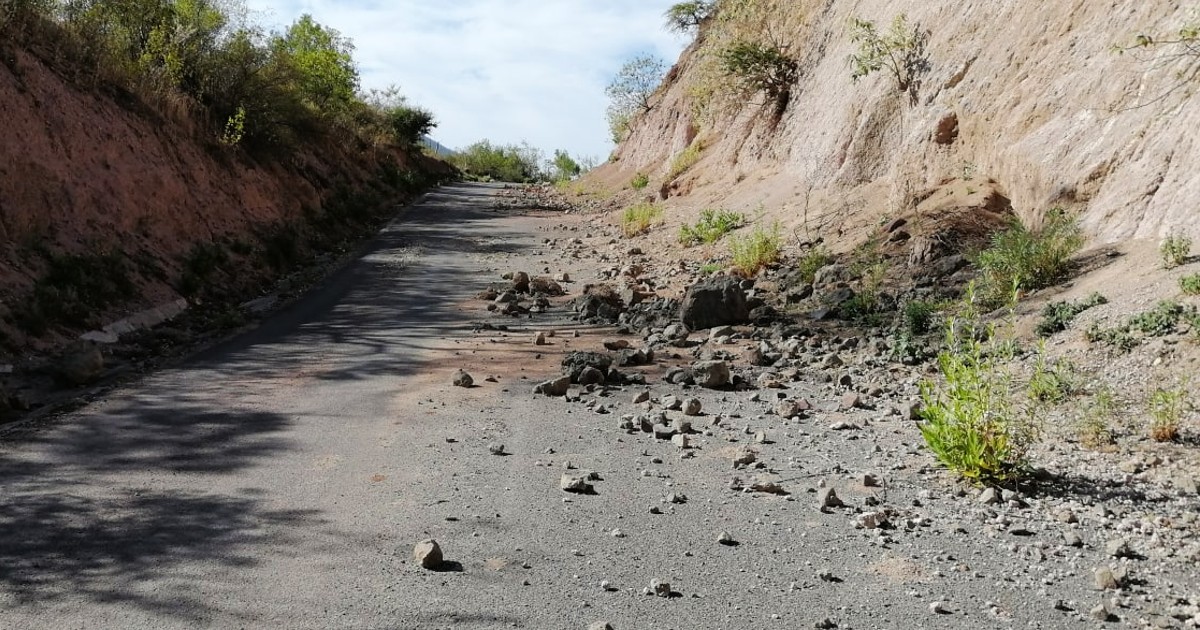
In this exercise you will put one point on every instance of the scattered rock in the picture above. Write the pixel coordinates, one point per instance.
(576, 483)
(1106, 579)
(850, 401)
(718, 301)
(496, 448)
(827, 498)
(555, 387)
(1118, 548)
(660, 588)
(711, 374)
(428, 554)
(1101, 612)
(640, 398)
(462, 379)
(989, 496)
(726, 539)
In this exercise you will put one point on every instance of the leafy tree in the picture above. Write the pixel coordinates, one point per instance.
(324, 62)
(565, 167)
(687, 17)
(900, 51)
(405, 123)
(630, 91)
(762, 67)
(506, 163)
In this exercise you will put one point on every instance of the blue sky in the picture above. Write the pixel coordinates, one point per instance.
(505, 70)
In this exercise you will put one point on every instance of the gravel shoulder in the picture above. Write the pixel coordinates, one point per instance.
(282, 479)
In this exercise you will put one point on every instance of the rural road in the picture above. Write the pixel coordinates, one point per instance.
(281, 479)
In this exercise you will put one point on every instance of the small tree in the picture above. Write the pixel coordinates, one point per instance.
(900, 51)
(687, 17)
(630, 91)
(762, 68)
(323, 60)
(565, 168)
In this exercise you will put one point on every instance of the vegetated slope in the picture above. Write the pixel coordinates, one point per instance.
(109, 205)
(1027, 94)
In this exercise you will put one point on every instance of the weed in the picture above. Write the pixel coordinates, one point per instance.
(1056, 316)
(1166, 407)
(918, 317)
(1175, 250)
(1190, 285)
(811, 262)
(640, 218)
(640, 181)
(762, 67)
(757, 250)
(685, 160)
(711, 227)
(866, 305)
(1051, 383)
(1160, 321)
(1094, 427)
(709, 269)
(969, 421)
(1019, 257)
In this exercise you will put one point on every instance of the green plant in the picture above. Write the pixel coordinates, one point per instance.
(1051, 383)
(1175, 250)
(687, 17)
(640, 181)
(711, 227)
(685, 160)
(1166, 407)
(710, 268)
(757, 250)
(1056, 316)
(506, 163)
(1020, 257)
(630, 91)
(1159, 321)
(969, 421)
(900, 51)
(918, 317)
(1095, 426)
(235, 128)
(1190, 285)
(811, 262)
(866, 304)
(638, 219)
(761, 67)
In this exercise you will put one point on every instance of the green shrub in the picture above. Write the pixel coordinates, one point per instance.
(1175, 250)
(1056, 316)
(504, 163)
(685, 160)
(1166, 407)
(1190, 285)
(1162, 320)
(1051, 383)
(900, 51)
(918, 317)
(811, 262)
(711, 227)
(761, 67)
(640, 181)
(1095, 427)
(757, 250)
(686, 17)
(640, 218)
(709, 269)
(969, 421)
(1020, 258)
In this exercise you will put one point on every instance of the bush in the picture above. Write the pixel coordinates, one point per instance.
(73, 289)
(1190, 285)
(1056, 316)
(504, 163)
(1094, 428)
(812, 262)
(900, 51)
(1051, 383)
(711, 227)
(763, 68)
(969, 421)
(630, 91)
(640, 181)
(918, 317)
(1160, 321)
(685, 160)
(757, 250)
(1166, 407)
(1026, 259)
(687, 17)
(640, 218)
(1175, 250)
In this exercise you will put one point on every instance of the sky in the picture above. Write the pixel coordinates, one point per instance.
(510, 71)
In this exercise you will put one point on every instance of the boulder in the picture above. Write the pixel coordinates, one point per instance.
(428, 554)
(718, 301)
(81, 364)
(712, 374)
(576, 363)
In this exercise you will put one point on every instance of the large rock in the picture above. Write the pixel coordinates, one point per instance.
(719, 301)
(83, 363)
(712, 374)
(554, 387)
(577, 363)
(428, 554)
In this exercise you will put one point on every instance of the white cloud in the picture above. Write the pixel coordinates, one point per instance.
(506, 70)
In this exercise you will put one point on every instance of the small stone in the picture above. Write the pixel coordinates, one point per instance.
(617, 533)
(1101, 612)
(496, 448)
(871, 520)
(616, 344)
(691, 407)
(1118, 548)
(828, 498)
(938, 608)
(601, 625)
(850, 401)
(655, 510)
(672, 403)
(677, 498)
(663, 432)
(576, 483)
(660, 588)
(682, 441)
(726, 539)
(760, 437)
(712, 374)
(744, 457)
(1106, 579)
(826, 624)
(539, 339)
(554, 387)
(428, 554)
(793, 408)
(989, 496)
(1072, 539)
(870, 481)
(462, 379)
(641, 398)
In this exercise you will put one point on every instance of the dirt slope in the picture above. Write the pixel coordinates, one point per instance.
(1044, 107)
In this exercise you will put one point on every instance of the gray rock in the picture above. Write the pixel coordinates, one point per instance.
(1072, 539)
(692, 407)
(496, 448)
(1118, 548)
(660, 588)
(576, 483)
(726, 539)
(591, 376)
(989, 496)
(672, 403)
(712, 374)
(575, 363)
(850, 401)
(718, 301)
(939, 608)
(520, 282)
(555, 387)
(1106, 579)
(663, 432)
(1101, 612)
(793, 408)
(601, 625)
(641, 398)
(828, 498)
(616, 344)
(428, 554)
(540, 339)
(682, 441)
(462, 379)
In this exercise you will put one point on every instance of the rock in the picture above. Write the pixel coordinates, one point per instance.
(575, 363)
(682, 441)
(81, 364)
(989, 496)
(660, 588)
(826, 624)
(692, 407)
(718, 301)
(793, 408)
(616, 344)
(576, 483)
(641, 398)
(850, 401)
(496, 448)
(1072, 539)
(769, 487)
(946, 131)
(591, 376)
(671, 403)
(563, 277)
(843, 425)
(600, 625)
(682, 425)
(870, 481)
(663, 432)
(428, 554)
(462, 379)
(555, 387)
(871, 520)
(938, 608)
(1101, 612)
(1118, 548)
(539, 339)
(827, 498)
(712, 374)
(830, 274)
(1106, 579)
(744, 457)
(677, 498)
(726, 539)
(520, 282)
(545, 286)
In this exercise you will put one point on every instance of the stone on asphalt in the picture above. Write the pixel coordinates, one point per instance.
(428, 554)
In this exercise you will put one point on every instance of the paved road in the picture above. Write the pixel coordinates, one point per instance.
(256, 484)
